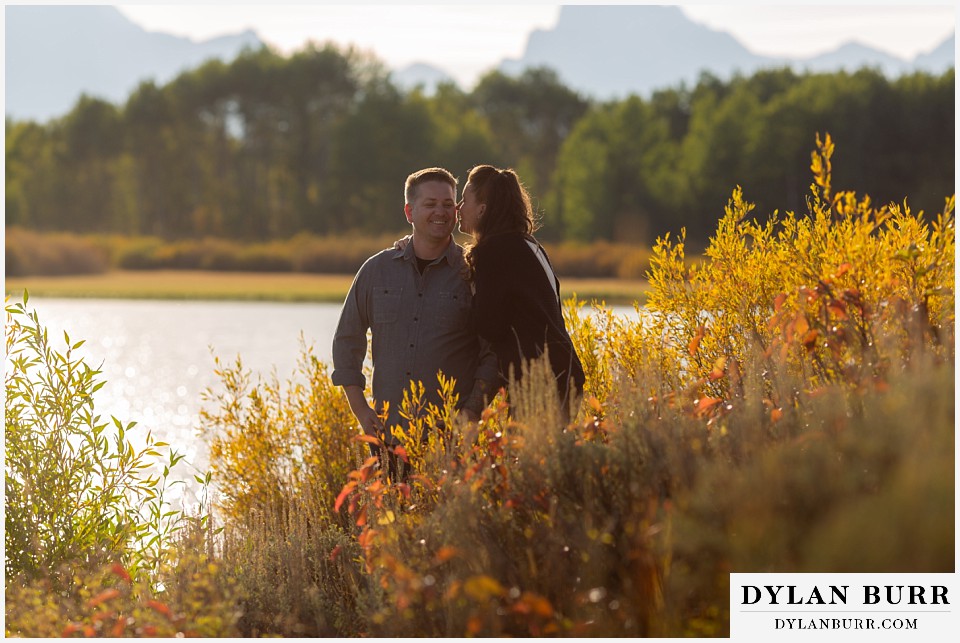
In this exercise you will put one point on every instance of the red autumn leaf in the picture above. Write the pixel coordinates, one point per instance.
(118, 627)
(103, 597)
(368, 438)
(810, 339)
(522, 608)
(800, 324)
(446, 553)
(404, 489)
(118, 570)
(362, 516)
(103, 615)
(695, 342)
(365, 539)
(704, 404)
(474, 625)
(837, 308)
(842, 270)
(719, 368)
(347, 488)
(368, 469)
(160, 608)
(595, 405)
(778, 301)
(776, 414)
(538, 604)
(70, 629)
(401, 453)
(335, 552)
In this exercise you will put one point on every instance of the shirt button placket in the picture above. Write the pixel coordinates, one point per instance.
(415, 328)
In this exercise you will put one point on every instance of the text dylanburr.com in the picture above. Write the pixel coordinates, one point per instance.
(844, 607)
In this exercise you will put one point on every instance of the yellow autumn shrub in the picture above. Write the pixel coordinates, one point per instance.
(769, 406)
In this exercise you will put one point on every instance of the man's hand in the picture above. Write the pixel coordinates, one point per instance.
(367, 418)
(370, 422)
(469, 415)
(473, 406)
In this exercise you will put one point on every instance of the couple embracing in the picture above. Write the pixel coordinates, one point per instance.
(479, 314)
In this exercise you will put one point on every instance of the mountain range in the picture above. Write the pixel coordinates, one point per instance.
(55, 53)
(615, 50)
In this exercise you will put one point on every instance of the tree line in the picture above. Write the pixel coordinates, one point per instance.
(320, 141)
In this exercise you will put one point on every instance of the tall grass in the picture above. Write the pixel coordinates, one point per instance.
(773, 408)
(768, 409)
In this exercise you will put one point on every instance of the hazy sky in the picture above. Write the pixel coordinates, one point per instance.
(467, 39)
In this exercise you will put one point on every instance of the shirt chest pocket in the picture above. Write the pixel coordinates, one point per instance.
(386, 304)
(452, 309)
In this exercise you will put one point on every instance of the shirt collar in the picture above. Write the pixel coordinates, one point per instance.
(453, 254)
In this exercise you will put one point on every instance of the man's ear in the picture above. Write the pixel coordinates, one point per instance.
(408, 210)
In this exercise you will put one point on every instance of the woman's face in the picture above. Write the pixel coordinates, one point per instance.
(469, 210)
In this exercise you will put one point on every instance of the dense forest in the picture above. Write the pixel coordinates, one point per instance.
(321, 140)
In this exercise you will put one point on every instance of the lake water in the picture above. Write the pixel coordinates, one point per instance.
(157, 356)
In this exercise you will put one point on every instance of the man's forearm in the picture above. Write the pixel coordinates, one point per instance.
(357, 400)
(366, 417)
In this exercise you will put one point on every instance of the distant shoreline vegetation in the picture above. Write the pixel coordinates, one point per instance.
(304, 268)
(30, 253)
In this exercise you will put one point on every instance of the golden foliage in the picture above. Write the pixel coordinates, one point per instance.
(768, 407)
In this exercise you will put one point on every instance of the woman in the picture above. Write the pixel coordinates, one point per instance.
(516, 293)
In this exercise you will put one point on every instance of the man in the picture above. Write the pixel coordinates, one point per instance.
(416, 302)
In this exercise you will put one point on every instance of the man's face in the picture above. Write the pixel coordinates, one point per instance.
(433, 212)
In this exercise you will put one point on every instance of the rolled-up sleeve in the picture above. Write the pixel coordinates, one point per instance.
(350, 339)
(419, 324)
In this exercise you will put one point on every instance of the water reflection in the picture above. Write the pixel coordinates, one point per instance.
(156, 357)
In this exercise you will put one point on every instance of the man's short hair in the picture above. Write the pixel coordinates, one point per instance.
(422, 176)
